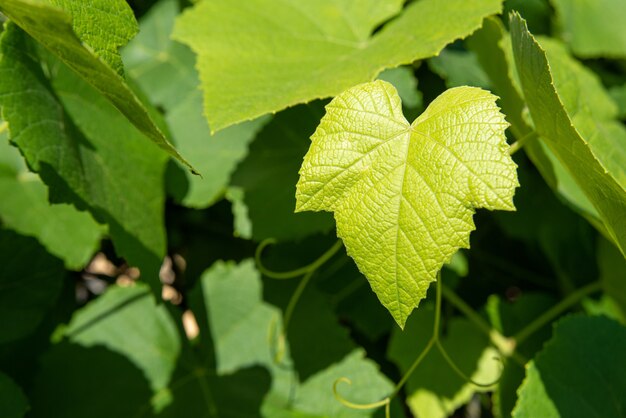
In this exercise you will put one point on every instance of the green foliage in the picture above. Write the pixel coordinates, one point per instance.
(555, 125)
(51, 27)
(66, 232)
(557, 382)
(388, 190)
(305, 52)
(13, 403)
(593, 28)
(130, 287)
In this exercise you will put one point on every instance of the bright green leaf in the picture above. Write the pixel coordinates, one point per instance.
(270, 171)
(85, 151)
(13, 403)
(67, 233)
(404, 195)
(127, 320)
(300, 51)
(555, 126)
(590, 108)
(52, 28)
(30, 283)
(579, 372)
(593, 28)
(104, 25)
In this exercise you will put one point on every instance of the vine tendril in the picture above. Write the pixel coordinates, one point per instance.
(281, 275)
(433, 341)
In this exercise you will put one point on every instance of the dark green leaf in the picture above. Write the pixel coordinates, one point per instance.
(579, 373)
(270, 172)
(13, 403)
(85, 151)
(30, 282)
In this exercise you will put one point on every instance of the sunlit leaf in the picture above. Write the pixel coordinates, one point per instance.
(316, 49)
(404, 194)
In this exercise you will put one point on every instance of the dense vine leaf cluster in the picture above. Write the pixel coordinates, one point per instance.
(131, 287)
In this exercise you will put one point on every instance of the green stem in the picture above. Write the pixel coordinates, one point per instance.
(505, 345)
(519, 144)
(3, 127)
(297, 272)
(552, 313)
(294, 300)
(432, 341)
(459, 372)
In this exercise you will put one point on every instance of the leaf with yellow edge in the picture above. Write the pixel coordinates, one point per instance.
(404, 194)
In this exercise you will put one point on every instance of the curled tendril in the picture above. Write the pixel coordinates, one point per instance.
(281, 275)
(462, 375)
(432, 342)
(385, 402)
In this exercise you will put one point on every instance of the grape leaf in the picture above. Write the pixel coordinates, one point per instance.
(314, 397)
(404, 195)
(66, 232)
(593, 28)
(84, 150)
(104, 25)
(555, 126)
(240, 320)
(31, 281)
(13, 403)
(128, 321)
(492, 45)
(301, 51)
(579, 372)
(52, 28)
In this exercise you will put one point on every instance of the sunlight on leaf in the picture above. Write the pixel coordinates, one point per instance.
(404, 195)
(302, 51)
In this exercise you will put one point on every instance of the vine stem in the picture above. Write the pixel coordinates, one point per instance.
(281, 275)
(519, 144)
(3, 127)
(505, 345)
(556, 310)
(432, 341)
